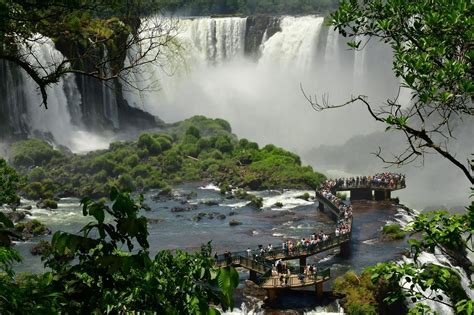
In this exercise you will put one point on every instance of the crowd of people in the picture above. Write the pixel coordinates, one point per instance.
(386, 180)
(343, 226)
(281, 270)
(345, 211)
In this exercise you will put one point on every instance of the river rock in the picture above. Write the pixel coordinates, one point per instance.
(210, 202)
(17, 216)
(41, 248)
(154, 220)
(234, 223)
(254, 290)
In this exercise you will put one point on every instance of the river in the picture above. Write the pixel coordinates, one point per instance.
(174, 229)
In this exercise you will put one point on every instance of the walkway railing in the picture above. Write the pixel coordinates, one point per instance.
(261, 261)
(296, 280)
(370, 186)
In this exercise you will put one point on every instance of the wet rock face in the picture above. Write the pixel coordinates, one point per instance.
(259, 26)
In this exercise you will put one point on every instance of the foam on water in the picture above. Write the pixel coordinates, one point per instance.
(210, 187)
(371, 241)
(289, 199)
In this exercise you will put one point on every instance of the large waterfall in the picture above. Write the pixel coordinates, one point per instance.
(259, 91)
(250, 71)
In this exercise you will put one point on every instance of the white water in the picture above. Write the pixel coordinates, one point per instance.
(56, 120)
(262, 99)
(404, 217)
(204, 71)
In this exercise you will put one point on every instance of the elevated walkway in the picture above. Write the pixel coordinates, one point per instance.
(260, 265)
(377, 192)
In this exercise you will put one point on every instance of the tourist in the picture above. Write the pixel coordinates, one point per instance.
(249, 252)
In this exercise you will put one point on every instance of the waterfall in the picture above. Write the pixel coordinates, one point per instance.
(249, 71)
(215, 40)
(26, 114)
(295, 46)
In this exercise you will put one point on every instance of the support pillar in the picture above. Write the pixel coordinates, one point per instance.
(345, 249)
(381, 195)
(319, 290)
(272, 295)
(361, 194)
(302, 264)
(321, 206)
(253, 276)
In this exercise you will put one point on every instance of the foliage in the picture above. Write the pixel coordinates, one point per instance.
(432, 47)
(9, 184)
(34, 227)
(444, 231)
(362, 296)
(195, 149)
(341, 195)
(93, 273)
(33, 152)
(393, 232)
(85, 30)
(439, 230)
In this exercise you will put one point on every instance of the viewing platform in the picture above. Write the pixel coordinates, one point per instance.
(262, 263)
(371, 187)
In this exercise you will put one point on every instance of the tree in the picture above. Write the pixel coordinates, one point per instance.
(108, 269)
(433, 51)
(101, 39)
(432, 45)
(9, 184)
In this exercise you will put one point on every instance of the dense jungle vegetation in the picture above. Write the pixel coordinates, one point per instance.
(196, 149)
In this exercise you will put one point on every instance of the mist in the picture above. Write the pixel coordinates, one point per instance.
(261, 95)
(262, 98)
(263, 101)
(432, 181)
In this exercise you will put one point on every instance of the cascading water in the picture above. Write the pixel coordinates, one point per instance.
(217, 76)
(24, 102)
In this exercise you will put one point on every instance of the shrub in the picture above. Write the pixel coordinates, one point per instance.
(392, 232)
(204, 144)
(193, 131)
(145, 140)
(165, 142)
(190, 149)
(37, 174)
(304, 196)
(49, 203)
(224, 124)
(224, 145)
(36, 150)
(132, 160)
(126, 183)
(141, 170)
(172, 161)
(341, 195)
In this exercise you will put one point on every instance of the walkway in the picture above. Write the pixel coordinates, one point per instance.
(261, 265)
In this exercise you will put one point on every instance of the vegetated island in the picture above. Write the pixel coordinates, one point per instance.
(196, 149)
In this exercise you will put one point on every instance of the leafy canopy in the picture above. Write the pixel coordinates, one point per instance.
(433, 56)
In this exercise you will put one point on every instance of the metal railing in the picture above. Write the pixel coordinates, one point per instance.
(328, 203)
(260, 260)
(296, 279)
(370, 186)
